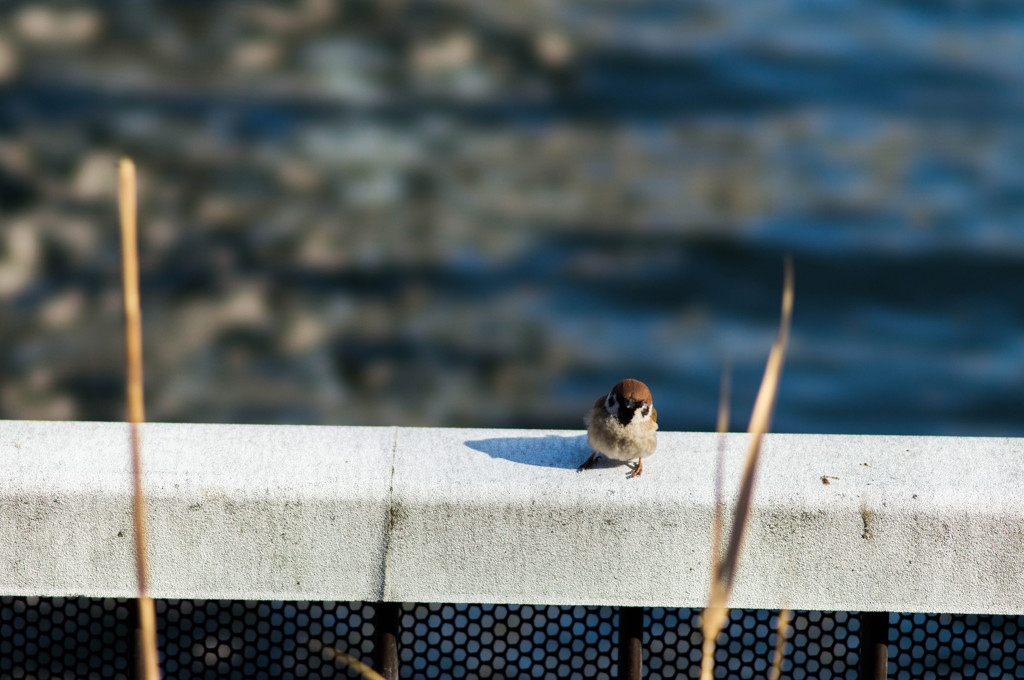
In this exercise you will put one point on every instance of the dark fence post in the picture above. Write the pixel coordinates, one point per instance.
(631, 633)
(874, 645)
(135, 669)
(385, 627)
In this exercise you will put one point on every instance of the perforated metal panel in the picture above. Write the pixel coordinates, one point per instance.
(88, 638)
(819, 645)
(59, 637)
(463, 641)
(962, 646)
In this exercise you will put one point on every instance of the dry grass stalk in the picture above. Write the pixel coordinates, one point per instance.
(350, 661)
(724, 574)
(136, 413)
(723, 429)
(781, 630)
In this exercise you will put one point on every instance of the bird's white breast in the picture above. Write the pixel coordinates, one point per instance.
(606, 435)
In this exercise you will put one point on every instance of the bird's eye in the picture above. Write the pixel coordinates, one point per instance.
(645, 411)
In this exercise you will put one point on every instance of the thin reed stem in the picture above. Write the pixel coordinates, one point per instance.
(781, 631)
(722, 429)
(146, 642)
(350, 661)
(724, 571)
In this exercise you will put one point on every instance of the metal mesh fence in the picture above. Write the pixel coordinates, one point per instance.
(89, 638)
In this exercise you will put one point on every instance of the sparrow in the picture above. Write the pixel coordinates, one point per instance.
(623, 425)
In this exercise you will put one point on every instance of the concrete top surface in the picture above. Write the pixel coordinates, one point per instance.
(461, 515)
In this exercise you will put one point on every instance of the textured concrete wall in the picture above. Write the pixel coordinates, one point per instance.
(267, 512)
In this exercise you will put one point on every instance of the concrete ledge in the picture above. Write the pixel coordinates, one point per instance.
(234, 511)
(336, 513)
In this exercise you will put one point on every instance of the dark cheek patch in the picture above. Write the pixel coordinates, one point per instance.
(645, 411)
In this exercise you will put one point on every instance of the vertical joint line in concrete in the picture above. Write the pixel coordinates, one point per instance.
(388, 522)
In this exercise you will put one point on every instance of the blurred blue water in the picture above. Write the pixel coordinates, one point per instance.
(524, 233)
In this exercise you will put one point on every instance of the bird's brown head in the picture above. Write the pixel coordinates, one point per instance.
(633, 390)
(627, 397)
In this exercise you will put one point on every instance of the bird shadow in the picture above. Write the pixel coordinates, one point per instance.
(552, 450)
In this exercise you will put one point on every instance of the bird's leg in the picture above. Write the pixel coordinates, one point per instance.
(637, 470)
(590, 462)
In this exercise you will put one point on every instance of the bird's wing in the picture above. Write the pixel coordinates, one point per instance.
(600, 401)
(654, 414)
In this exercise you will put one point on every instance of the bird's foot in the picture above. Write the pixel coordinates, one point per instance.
(589, 462)
(635, 472)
